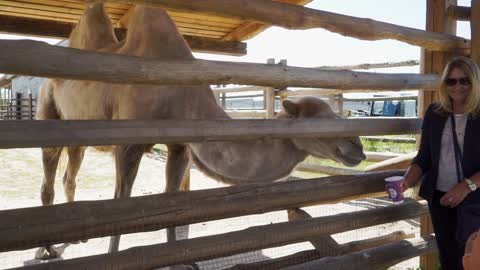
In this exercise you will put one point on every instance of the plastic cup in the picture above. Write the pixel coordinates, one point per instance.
(394, 188)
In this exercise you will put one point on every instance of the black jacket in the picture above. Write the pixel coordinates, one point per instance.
(429, 152)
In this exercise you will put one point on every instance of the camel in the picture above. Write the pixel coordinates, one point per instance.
(152, 34)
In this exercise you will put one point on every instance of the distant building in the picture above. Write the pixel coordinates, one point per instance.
(21, 86)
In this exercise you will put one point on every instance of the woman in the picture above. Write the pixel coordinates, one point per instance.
(448, 162)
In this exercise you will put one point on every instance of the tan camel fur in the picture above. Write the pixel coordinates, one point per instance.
(152, 34)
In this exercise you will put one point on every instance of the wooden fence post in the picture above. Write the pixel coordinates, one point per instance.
(269, 97)
(224, 100)
(340, 104)
(283, 62)
(475, 31)
(434, 63)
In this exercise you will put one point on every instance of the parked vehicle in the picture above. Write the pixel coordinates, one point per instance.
(399, 108)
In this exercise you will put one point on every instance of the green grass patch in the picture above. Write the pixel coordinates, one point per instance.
(395, 147)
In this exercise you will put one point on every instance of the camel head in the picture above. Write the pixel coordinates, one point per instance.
(346, 150)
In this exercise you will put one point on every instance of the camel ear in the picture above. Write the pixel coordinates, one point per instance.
(290, 107)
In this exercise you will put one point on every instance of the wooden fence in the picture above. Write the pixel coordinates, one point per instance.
(38, 59)
(147, 213)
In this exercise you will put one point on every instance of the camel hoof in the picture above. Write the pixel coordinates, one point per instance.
(49, 252)
(55, 252)
(41, 254)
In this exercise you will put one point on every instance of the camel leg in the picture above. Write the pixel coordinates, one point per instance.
(177, 165)
(50, 158)
(127, 161)
(75, 158)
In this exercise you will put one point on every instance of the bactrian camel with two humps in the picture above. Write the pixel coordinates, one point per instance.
(152, 34)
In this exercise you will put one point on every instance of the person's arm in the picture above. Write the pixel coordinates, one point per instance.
(411, 176)
(458, 193)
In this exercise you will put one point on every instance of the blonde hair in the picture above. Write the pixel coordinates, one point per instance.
(472, 71)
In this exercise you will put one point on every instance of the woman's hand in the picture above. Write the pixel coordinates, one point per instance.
(456, 195)
(405, 184)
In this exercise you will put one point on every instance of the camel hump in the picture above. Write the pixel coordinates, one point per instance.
(94, 30)
(153, 34)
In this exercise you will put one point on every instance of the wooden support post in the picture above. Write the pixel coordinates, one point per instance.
(269, 97)
(475, 31)
(340, 103)
(283, 62)
(434, 63)
(323, 243)
(224, 101)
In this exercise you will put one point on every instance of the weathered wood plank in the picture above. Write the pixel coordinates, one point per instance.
(330, 170)
(296, 17)
(98, 132)
(380, 156)
(253, 238)
(378, 258)
(55, 29)
(459, 13)
(310, 255)
(374, 65)
(396, 163)
(30, 227)
(35, 58)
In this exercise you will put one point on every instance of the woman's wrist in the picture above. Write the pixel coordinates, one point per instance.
(408, 182)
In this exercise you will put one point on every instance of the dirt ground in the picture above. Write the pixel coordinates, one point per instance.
(21, 176)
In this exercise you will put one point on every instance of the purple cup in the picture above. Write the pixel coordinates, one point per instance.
(394, 188)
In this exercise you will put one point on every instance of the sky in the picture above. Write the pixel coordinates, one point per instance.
(318, 47)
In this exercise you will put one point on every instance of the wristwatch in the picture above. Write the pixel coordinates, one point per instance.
(471, 184)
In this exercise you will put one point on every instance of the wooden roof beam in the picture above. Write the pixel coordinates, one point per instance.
(459, 13)
(298, 17)
(52, 29)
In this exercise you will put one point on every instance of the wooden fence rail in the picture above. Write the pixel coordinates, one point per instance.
(82, 220)
(378, 258)
(253, 238)
(296, 17)
(13, 134)
(35, 58)
(316, 254)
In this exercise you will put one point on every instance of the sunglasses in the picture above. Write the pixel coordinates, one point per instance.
(452, 81)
